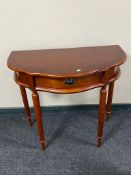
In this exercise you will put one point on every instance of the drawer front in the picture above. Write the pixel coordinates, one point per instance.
(67, 83)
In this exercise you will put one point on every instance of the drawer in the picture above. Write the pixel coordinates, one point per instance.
(67, 85)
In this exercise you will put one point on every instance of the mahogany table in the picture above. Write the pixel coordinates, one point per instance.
(67, 71)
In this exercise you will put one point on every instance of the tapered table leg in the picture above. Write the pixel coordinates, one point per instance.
(26, 104)
(38, 116)
(109, 101)
(101, 114)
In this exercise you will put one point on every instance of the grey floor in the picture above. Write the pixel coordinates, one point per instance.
(71, 143)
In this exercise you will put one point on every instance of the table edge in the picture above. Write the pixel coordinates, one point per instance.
(71, 75)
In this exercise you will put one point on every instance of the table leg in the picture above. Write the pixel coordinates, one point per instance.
(101, 114)
(109, 101)
(38, 116)
(26, 104)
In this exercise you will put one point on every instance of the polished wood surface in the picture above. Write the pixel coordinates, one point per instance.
(102, 105)
(109, 101)
(67, 71)
(66, 62)
(38, 116)
(58, 85)
(26, 104)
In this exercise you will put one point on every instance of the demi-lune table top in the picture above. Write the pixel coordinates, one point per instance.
(66, 62)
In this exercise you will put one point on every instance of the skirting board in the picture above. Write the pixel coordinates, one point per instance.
(66, 108)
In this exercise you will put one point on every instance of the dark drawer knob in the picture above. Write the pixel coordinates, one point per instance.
(69, 81)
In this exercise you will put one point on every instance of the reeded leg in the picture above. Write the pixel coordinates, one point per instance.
(101, 114)
(38, 116)
(109, 101)
(26, 104)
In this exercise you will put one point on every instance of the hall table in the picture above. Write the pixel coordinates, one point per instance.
(67, 71)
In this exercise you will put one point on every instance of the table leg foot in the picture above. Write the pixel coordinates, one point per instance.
(38, 116)
(108, 116)
(26, 104)
(99, 141)
(101, 114)
(42, 145)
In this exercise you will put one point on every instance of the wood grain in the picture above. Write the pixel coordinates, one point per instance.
(66, 62)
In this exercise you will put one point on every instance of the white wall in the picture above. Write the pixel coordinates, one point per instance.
(41, 24)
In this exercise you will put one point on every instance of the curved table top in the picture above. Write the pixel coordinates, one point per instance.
(71, 62)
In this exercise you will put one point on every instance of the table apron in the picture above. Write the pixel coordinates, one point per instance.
(67, 85)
